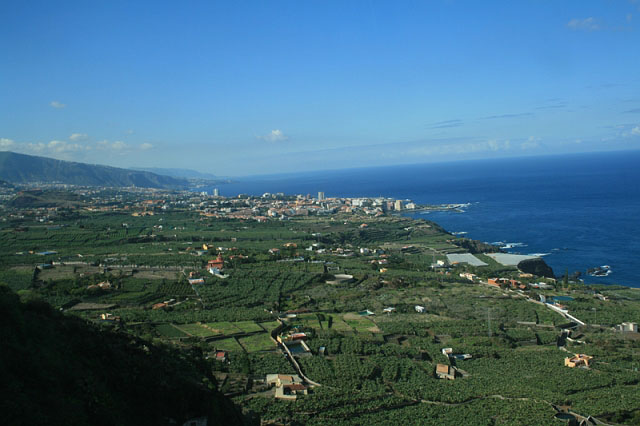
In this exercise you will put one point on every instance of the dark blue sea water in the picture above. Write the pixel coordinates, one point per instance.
(582, 210)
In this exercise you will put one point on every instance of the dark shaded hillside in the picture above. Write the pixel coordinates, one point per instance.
(59, 370)
(20, 168)
(475, 246)
(38, 198)
(536, 267)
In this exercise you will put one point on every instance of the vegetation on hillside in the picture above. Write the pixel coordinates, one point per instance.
(59, 370)
(21, 168)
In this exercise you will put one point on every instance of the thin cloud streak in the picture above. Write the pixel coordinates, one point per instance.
(517, 115)
(446, 123)
(57, 105)
(584, 24)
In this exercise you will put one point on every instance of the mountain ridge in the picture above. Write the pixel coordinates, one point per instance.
(23, 168)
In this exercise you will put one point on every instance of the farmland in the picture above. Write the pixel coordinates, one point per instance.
(373, 352)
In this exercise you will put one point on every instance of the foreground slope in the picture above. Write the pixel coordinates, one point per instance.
(60, 370)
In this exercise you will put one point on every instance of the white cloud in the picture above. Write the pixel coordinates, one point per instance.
(585, 24)
(274, 136)
(33, 148)
(79, 137)
(6, 143)
(146, 146)
(636, 131)
(62, 146)
(531, 143)
(129, 131)
(111, 146)
(492, 145)
(102, 144)
(56, 104)
(495, 145)
(119, 145)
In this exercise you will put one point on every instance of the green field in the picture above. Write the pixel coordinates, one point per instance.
(197, 330)
(247, 326)
(376, 370)
(224, 327)
(170, 331)
(230, 344)
(257, 343)
(360, 325)
(270, 325)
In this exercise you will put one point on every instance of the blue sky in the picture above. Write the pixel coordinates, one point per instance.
(240, 88)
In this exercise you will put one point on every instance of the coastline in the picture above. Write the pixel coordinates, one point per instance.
(511, 248)
(587, 221)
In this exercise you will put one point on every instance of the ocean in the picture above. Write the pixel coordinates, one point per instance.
(578, 211)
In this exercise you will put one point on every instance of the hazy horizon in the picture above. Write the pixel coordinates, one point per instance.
(254, 89)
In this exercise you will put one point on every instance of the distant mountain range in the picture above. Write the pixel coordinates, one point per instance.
(21, 168)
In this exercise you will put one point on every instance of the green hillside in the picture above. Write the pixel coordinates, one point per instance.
(21, 168)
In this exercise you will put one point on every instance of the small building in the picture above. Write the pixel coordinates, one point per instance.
(420, 309)
(444, 371)
(627, 327)
(578, 360)
(460, 357)
(160, 305)
(468, 275)
(542, 286)
(109, 317)
(290, 392)
(340, 279)
(193, 281)
(221, 356)
(104, 285)
(218, 263)
(292, 337)
(389, 310)
(282, 379)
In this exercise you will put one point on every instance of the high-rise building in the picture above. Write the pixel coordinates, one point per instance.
(398, 205)
(216, 192)
(320, 196)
